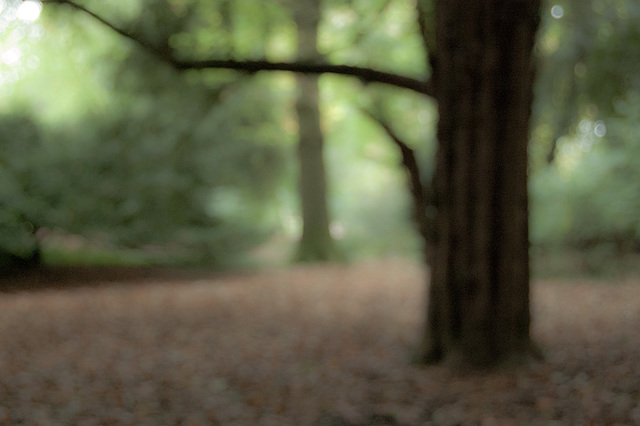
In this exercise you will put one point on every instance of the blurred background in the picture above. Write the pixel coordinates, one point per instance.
(110, 156)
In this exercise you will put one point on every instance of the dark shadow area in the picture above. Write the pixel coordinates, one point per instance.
(76, 276)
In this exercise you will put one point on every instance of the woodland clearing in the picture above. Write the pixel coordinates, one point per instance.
(313, 345)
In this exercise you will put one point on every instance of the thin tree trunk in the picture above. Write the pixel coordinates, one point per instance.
(478, 308)
(567, 110)
(316, 243)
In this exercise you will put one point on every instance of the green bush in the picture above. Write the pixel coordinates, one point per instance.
(595, 201)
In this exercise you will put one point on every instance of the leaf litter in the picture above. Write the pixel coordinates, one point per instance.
(313, 345)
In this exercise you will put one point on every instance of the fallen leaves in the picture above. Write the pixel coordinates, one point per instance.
(321, 345)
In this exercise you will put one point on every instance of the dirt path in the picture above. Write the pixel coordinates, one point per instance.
(321, 345)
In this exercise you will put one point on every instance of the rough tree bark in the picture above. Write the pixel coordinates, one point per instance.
(483, 71)
(315, 243)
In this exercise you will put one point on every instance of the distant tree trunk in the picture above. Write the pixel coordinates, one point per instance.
(316, 243)
(478, 309)
(567, 111)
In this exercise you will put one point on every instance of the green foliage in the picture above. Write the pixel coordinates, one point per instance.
(21, 201)
(588, 198)
(382, 34)
(133, 180)
(58, 255)
(149, 180)
(128, 153)
(587, 62)
(369, 192)
(379, 223)
(593, 199)
(611, 70)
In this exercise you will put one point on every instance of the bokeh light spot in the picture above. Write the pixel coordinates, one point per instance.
(29, 10)
(557, 11)
(11, 56)
(600, 128)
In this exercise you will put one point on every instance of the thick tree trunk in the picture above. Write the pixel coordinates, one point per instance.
(478, 309)
(315, 243)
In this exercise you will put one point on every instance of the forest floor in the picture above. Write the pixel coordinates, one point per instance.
(315, 345)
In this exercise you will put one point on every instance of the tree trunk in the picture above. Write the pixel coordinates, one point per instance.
(478, 308)
(316, 243)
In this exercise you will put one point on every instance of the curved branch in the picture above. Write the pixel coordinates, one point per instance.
(421, 194)
(158, 53)
(366, 75)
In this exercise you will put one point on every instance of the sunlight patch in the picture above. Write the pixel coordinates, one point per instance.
(29, 10)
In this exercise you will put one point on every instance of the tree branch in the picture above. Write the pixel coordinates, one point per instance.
(366, 75)
(426, 21)
(420, 194)
(149, 47)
